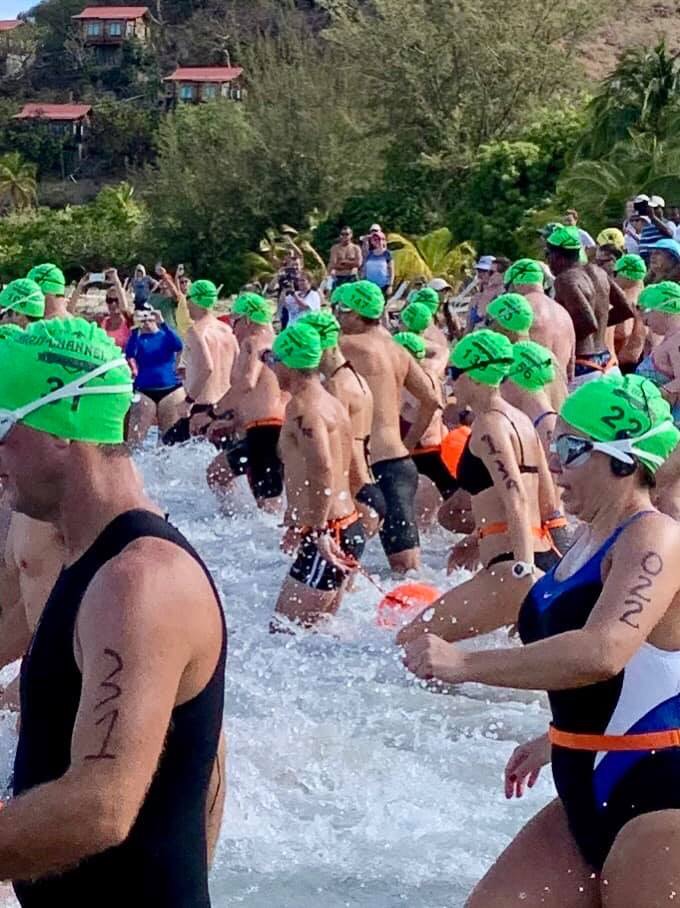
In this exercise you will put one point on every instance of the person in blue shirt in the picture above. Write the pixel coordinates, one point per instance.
(153, 350)
(378, 266)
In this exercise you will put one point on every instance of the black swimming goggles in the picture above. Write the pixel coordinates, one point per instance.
(269, 358)
(455, 372)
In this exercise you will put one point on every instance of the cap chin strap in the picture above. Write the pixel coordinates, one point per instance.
(72, 389)
(623, 449)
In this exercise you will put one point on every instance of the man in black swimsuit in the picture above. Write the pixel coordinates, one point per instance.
(122, 690)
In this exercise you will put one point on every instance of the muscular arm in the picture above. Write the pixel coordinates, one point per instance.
(571, 297)
(418, 384)
(133, 658)
(314, 448)
(496, 450)
(621, 310)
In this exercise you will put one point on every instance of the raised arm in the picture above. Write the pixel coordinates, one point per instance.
(124, 302)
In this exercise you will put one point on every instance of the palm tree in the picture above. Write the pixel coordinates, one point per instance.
(17, 182)
(431, 255)
(639, 96)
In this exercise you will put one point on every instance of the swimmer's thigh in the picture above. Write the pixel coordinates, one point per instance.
(169, 410)
(455, 514)
(642, 869)
(304, 605)
(265, 469)
(541, 866)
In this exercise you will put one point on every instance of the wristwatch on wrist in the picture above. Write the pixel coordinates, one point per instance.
(522, 569)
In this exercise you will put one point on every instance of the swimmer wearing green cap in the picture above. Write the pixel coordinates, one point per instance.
(660, 308)
(21, 302)
(504, 469)
(210, 351)
(65, 390)
(248, 418)
(341, 379)
(324, 531)
(592, 300)
(510, 314)
(52, 282)
(630, 336)
(388, 370)
(600, 633)
(416, 317)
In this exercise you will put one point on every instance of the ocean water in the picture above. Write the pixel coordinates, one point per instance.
(348, 783)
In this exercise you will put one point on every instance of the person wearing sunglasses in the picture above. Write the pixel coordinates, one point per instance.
(324, 531)
(122, 688)
(504, 469)
(388, 369)
(552, 326)
(346, 259)
(248, 418)
(341, 379)
(602, 637)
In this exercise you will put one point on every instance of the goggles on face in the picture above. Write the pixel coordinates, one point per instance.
(9, 418)
(574, 451)
(455, 372)
(269, 358)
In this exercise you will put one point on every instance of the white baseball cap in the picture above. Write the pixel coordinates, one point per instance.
(657, 201)
(641, 198)
(439, 284)
(485, 262)
(375, 228)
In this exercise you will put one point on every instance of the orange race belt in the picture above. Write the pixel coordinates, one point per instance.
(258, 423)
(335, 525)
(542, 533)
(652, 740)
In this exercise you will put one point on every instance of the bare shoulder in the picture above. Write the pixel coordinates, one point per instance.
(655, 532)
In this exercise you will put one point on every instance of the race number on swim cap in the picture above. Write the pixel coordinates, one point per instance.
(426, 296)
(616, 407)
(365, 298)
(254, 307)
(565, 238)
(533, 367)
(512, 311)
(325, 324)
(298, 347)
(51, 354)
(632, 267)
(664, 297)
(23, 296)
(411, 342)
(524, 272)
(485, 355)
(49, 278)
(416, 317)
(203, 293)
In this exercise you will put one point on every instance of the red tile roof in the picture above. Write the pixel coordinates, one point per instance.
(40, 111)
(205, 74)
(6, 25)
(112, 12)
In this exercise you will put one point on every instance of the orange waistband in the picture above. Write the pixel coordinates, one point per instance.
(257, 423)
(335, 524)
(495, 529)
(653, 740)
(428, 449)
(555, 523)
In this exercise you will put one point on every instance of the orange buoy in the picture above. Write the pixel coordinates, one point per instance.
(453, 446)
(404, 603)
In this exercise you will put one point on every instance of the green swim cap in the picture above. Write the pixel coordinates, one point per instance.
(565, 238)
(417, 317)
(365, 298)
(664, 297)
(616, 407)
(298, 347)
(512, 311)
(411, 342)
(485, 355)
(203, 294)
(533, 366)
(49, 278)
(23, 296)
(524, 272)
(254, 307)
(77, 362)
(325, 324)
(9, 330)
(426, 296)
(631, 266)
(339, 295)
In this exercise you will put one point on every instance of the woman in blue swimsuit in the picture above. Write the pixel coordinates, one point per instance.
(602, 635)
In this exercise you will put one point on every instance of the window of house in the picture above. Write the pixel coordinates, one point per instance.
(115, 29)
(209, 91)
(94, 29)
(186, 92)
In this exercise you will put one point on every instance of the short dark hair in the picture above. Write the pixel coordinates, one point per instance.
(612, 250)
(369, 321)
(569, 255)
(502, 264)
(573, 212)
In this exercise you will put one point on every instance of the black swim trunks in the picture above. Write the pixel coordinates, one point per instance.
(544, 561)
(181, 431)
(371, 495)
(256, 457)
(398, 481)
(157, 394)
(312, 569)
(429, 463)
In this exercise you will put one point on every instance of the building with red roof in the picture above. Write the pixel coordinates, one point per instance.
(8, 25)
(205, 83)
(113, 25)
(68, 121)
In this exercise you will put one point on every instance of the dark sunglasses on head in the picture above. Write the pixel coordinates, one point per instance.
(269, 358)
(455, 372)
